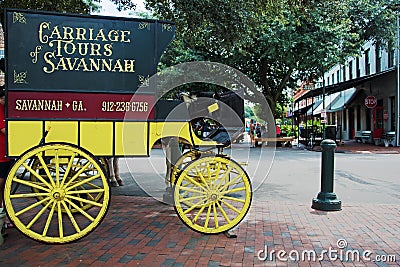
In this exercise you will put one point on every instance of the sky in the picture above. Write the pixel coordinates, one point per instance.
(110, 9)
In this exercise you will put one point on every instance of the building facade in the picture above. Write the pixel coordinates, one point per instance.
(361, 95)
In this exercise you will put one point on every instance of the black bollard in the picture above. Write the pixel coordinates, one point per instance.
(327, 199)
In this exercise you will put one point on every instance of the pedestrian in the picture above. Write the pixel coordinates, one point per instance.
(5, 163)
(113, 167)
(278, 130)
(251, 133)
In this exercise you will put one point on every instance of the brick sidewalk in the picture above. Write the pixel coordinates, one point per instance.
(360, 148)
(139, 231)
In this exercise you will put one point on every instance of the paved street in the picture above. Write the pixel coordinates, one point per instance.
(141, 231)
(289, 175)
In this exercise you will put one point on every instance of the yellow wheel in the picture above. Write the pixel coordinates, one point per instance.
(54, 208)
(75, 167)
(212, 194)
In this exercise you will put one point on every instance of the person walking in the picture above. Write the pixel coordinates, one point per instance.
(251, 133)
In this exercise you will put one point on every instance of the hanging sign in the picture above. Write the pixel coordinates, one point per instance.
(323, 113)
(370, 101)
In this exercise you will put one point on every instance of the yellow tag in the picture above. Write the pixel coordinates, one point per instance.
(213, 107)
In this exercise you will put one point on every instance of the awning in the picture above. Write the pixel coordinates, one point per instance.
(344, 85)
(313, 108)
(344, 98)
(328, 101)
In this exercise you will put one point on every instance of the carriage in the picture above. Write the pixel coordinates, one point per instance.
(73, 99)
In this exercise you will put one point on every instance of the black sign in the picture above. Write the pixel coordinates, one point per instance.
(76, 53)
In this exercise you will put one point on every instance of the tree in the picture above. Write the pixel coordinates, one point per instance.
(70, 6)
(278, 42)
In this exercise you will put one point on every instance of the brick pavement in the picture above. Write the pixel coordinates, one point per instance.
(140, 231)
(354, 147)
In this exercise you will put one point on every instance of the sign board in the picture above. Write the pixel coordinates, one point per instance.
(48, 51)
(370, 101)
(323, 121)
(323, 113)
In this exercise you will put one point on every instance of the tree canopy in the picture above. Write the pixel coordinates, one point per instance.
(278, 42)
(275, 43)
(70, 6)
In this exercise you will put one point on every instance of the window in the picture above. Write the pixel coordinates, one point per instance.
(358, 71)
(338, 76)
(378, 58)
(333, 78)
(367, 62)
(344, 73)
(351, 70)
(391, 57)
(358, 118)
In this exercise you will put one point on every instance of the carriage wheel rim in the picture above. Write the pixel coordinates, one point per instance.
(212, 195)
(56, 217)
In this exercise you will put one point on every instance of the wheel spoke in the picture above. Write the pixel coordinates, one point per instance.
(77, 174)
(193, 207)
(39, 177)
(198, 214)
(223, 213)
(30, 184)
(32, 206)
(46, 169)
(231, 182)
(191, 190)
(38, 215)
(207, 217)
(234, 199)
(189, 199)
(60, 220)
(71, 217)
(83, 182)
(85, 201)
(199, 173)
(231, 207)
(187, 177)
(71, 160)
(234, 190)
(28, 195)
(80, 210)
(215, 216)
(49, 218)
